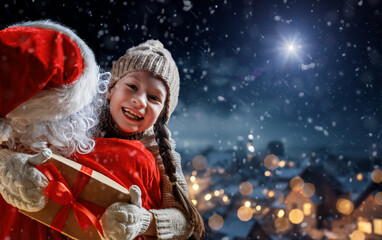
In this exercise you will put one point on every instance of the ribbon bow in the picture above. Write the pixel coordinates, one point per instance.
(59, 191)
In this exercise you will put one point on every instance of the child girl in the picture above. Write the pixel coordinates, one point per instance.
(143, 92)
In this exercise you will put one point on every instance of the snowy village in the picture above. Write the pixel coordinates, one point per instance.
(244, 195)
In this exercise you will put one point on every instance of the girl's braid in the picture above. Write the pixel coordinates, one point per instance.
(162, 138)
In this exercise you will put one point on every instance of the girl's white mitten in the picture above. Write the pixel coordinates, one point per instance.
(125, 221)
(21, 184)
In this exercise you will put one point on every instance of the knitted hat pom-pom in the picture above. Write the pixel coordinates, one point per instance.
(155, 43)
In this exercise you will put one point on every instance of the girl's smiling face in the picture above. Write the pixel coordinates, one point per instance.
(136, 101)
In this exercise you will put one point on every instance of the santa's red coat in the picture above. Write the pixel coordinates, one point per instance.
(125, 161)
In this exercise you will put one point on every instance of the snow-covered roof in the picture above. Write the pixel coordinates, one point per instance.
(219, 159)
(231, 189)
(354, 186)
(278, 205)
(234, 227)
(258, 193)
(288, 173)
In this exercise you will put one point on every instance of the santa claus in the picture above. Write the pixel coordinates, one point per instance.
(50, 93)
(51, 96)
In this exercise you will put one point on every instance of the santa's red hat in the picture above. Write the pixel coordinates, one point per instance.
(46, 71)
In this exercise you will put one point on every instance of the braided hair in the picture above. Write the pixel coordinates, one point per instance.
(162, 138)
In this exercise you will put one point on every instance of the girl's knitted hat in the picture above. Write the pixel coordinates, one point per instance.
(150, 56)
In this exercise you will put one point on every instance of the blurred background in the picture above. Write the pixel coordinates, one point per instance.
(279, 117)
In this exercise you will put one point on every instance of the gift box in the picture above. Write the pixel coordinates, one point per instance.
(78, 196)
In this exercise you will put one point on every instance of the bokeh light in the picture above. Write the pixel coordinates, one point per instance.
(244, 213)
(282, 163)
(265, 191)
(271, 194)
(246, 188)
(216, 193)
(281, 224)
(199, 162)
(280, 213)
(357, 235)
(195, 186)
(194, 201)
(225, 199)
(359, 176)
(192, 178)
(208, 197)
(215, 222)
(251, 148)
(271, 162)
(280, 197)
(376, 175)
(296, 216)
(296, 183)
(378, 198)
(345, 206)
(267, 173)
(308, 190)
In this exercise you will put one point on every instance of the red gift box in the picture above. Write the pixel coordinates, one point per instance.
(78, 196)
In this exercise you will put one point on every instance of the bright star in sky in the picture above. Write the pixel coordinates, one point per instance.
(291, 49)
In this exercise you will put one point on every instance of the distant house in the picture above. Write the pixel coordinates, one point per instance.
(309, 208)
(317, 207)
(356, 184)
(368, 214)
(327, 190)
(219, 161)
(235, 229)
(286, 174)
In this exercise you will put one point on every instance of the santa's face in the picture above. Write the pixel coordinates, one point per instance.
(136, 101)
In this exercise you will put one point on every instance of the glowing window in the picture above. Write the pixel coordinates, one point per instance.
(364, 226)
(281, 213)
(307, 207)
(377, 226)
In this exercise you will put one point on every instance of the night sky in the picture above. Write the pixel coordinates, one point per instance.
(307, 73)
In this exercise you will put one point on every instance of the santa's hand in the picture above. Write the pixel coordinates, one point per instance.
(125, 221)
(21, 184)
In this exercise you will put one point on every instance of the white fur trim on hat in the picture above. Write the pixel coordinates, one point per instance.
(67, 99)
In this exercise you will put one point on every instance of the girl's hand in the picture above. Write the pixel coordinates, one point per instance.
(125, 221)
(21, 184)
